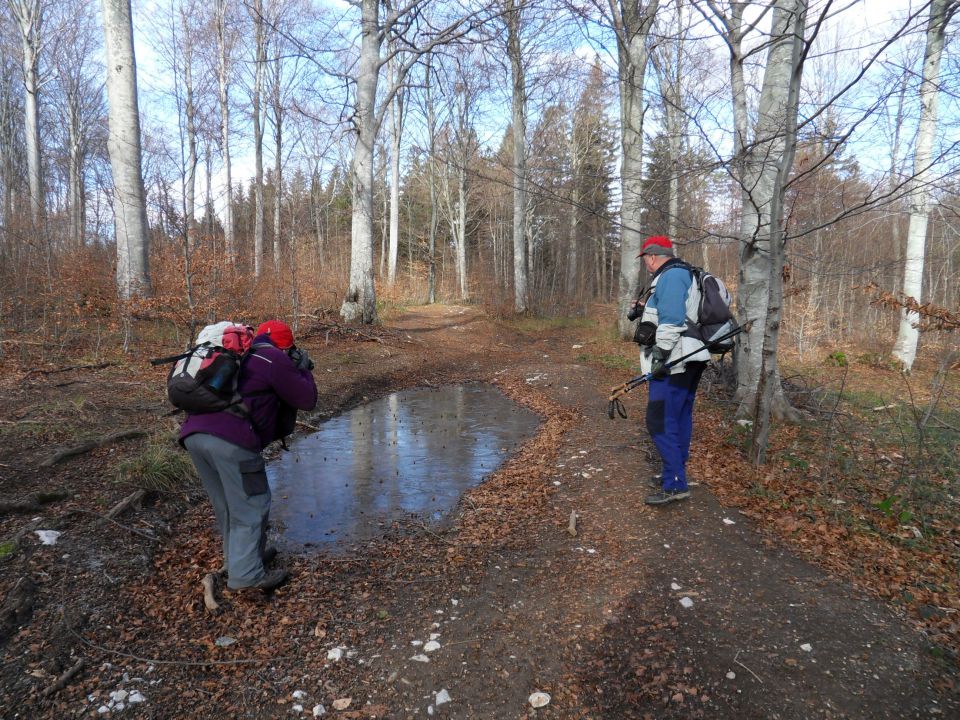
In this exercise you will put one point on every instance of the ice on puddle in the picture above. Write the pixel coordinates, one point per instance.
(539, 700)
(299, 695)
(431, 646)
(806, 647)
(319, 710)
(728, 521)
(48, 537)
(420, 658)
(443, 697)
(674, 586)
(686, 602)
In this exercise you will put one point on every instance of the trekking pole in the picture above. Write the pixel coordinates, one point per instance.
(615, 404)
(173, 358)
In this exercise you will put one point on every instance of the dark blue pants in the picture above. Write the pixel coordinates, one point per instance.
(670, 422)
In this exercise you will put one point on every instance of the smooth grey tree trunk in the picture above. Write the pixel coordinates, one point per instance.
(190, 176)
(360, 304)
(514, 19)
(129, 206)
(632, 20)
(432, 135)
(767, 164)
(29, 17)
(223, 87)
(908, 336)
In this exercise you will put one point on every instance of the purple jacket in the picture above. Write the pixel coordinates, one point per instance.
(266, 374)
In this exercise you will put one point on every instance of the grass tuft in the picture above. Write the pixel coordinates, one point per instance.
(161, 466)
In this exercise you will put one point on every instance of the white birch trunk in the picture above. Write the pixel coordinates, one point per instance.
(360, 304)
(572, 254)
(908, 336)
(223, 87)
(75, 175)
(29, 17)
(632, 24)
(396, 125)
(129, 206)
(519, 119)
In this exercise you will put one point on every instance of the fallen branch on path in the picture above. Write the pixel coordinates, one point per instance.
(134, 498)
(98, 366)
(572, 525)
(62, 681)
(746, 668)
(86, 447)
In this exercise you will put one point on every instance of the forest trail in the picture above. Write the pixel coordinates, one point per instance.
(514, 602)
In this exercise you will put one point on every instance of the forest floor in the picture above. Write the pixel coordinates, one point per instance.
(823, 585)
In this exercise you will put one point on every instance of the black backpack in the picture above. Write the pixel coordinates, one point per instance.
(714, 317)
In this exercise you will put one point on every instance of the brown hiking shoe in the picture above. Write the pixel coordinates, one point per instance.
(268, 583)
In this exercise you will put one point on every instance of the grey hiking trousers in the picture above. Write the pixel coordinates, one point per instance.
(236, 482)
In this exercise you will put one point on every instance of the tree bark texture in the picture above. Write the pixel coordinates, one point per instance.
(129, 206)
(223, 88)
(29, 17)
(767, 164)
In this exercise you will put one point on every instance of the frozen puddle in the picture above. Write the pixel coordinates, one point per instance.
(409, 454)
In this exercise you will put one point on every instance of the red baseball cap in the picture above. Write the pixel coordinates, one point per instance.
(280, 333)
(657, 245)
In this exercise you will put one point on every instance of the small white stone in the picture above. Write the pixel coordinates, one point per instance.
(728, 521)
(136, 697)
(334, 654)
(806, 647)
(119, 695)
(297, 708)
(557, 483)
(686, 602)
(431, 646)
(443, 697)
(420, 658)
(434, 636)
(299, 695)
(103, 710)
(674, 586)
(319, 710)
(224, 641)
(454, 602)
(539, 700)
(430, 710)
(731, 675)
(119, 707)
(416, 643)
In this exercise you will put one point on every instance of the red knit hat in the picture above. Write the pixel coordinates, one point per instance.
(657, 245)
(280, 333)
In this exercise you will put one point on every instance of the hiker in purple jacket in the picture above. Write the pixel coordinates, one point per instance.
(226, 446)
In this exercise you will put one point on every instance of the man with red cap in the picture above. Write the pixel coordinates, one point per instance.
(668, 314)
(226, 449)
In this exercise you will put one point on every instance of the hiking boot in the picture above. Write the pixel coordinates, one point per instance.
(656, 481)
(667, 496)
(269, 555)
(268, 583)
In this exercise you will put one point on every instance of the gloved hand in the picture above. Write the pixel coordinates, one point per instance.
(658, 361)
(301, 359)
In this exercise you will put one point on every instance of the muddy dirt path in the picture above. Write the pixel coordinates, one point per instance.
(677, 612)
